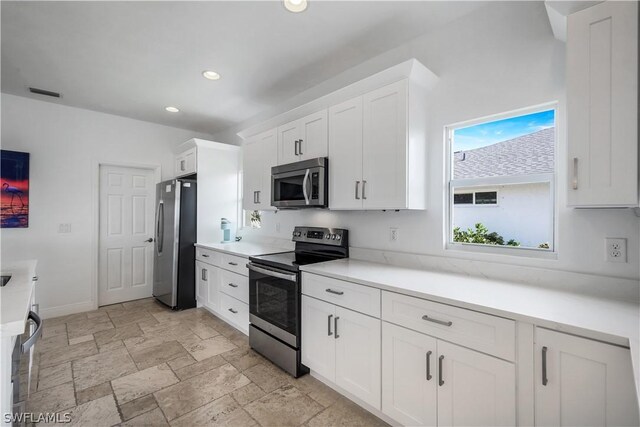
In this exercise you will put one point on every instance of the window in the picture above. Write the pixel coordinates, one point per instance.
(501, 174)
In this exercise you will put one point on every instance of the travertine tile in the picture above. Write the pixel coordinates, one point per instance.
(78, 340)
(116, 334)
(210, 347)
(324, 395)
(82, 327)
(199, 367)
(221, 412)
(181, 362)
(113, 345)
(55, 342)
(286, 406)
(247, 394)
(53, 399)
(96, 413)
(126, 317)
(137, 407)
(146, 357)
(152, 418)
(141, 383)
(71, 352)
(345, 413)
(266, 376)
(94, 370)
(243, 358)
(54, 375)
(50, 330)
(93, 393)
(201, 330)
(188, 395)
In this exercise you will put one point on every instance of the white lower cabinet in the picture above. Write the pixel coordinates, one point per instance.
(426, 381)
(213, 295)
(202, 276)
(343, 346)
(582, 382)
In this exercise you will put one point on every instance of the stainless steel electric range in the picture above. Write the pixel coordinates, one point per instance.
(275, 294)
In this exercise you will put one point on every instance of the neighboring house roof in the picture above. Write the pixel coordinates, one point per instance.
(525, 155)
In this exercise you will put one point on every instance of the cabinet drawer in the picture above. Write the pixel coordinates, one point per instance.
(235, 285)
(483, 332)
(234, 311)
(234, 263)
(345, 294)
(208, 256)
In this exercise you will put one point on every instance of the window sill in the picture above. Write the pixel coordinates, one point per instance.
(502, 250)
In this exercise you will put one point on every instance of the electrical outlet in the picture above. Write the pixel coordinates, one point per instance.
(616, 249)
(64, 228)
(393, 234)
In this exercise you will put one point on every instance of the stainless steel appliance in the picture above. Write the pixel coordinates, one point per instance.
(174, 251)
(300, 185)
(22, 380)
(275, 294)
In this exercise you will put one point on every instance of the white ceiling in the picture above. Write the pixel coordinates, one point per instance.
(135, 58)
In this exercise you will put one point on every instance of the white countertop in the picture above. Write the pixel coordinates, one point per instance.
(244, 249)
(613, 321)
(15, 297)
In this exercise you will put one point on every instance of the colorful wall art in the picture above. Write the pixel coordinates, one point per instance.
(14, 191)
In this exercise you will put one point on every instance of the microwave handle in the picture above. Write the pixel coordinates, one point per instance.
(304, 187)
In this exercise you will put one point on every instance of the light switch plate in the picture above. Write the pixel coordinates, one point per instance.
(64, 228)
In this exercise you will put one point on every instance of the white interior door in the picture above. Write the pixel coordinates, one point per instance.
(127, 200)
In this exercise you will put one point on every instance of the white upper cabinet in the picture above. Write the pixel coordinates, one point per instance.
(186, 162)
(580, 382)
(303, 139)
(602, 105)
(259, 156)
(377, 150)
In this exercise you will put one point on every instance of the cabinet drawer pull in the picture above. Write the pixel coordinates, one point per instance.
(205, 256)
(300, 147)
(233, 285)
(357, 186)
(544, 366)
(364, 186)
(258, 193)
(329, 333)
(295, 147)
(204, 274)
(574, 181)
(233, 263)
(233, 311)
(439, 322)
(440, 380)
(331, 291)
(429, 365)
(335, 327)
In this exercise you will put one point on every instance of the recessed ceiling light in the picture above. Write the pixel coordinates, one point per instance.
(211, 75)
(171, 109)
(295, 5)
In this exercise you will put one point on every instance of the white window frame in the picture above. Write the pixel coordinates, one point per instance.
(451, 183)
(473, 203)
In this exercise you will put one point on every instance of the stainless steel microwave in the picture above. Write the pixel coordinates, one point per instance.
(300, 185)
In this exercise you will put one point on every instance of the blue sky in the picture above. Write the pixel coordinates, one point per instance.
(501, 130)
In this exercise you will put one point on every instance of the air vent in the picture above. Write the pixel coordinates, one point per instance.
(44, 92)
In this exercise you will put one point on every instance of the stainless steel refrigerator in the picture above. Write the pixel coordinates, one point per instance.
(175, 231)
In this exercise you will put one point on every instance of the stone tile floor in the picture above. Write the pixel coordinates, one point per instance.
(140, 364)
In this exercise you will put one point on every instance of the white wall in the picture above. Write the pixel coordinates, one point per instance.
(524, 213)
(498, 59)
(65, 145)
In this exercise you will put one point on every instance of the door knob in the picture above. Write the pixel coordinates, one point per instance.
(149, 240)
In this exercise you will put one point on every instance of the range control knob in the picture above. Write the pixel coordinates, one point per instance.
(327, 236)
(333, 237)
(338, 237)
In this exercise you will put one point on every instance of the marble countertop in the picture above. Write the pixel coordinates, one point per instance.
(612, 321)
(244, 249)
(15, 297)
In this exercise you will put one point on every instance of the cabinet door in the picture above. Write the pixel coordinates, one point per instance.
(181, 165)
(313, 136)
(288, 135)
(345, 155)
(602, 105)
(384, 153)
(357, 346)
(318, 341)
(588, 383)
(268, 158)
(202, 285)
(213, 277)
(186, 163)
(409, 377)
(476, 389)
(252, 170)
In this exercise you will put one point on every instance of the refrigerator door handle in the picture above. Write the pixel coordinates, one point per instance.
(160, 227)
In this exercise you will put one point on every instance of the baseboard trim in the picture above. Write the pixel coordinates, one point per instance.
(63, 310)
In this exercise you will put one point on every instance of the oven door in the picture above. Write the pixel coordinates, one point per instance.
(299, 188)
(274, 302)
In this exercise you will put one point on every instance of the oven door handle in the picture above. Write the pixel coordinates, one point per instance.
(36, 334)
(304, 187)
(286, 276)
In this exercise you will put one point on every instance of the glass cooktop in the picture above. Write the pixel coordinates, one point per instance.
(290, 261)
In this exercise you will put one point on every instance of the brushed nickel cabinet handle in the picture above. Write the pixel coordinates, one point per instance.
(233, 263)
(204, 274)
(233, 285)
(440, 379)
(429, 365)
(329, 333)
(439, 322)
(233, 311)
(331, 291)
(300, 147)
(335, 327)
(205, 256)
(357, 187)
(364, 186)
(574, 181)
(295, 147)
(545, 380)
